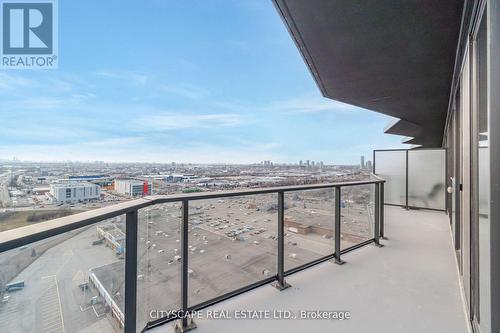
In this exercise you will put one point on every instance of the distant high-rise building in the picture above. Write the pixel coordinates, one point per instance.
(313, 164)
(362, 162)
(369, 165)
(300, 163)
(308, 164)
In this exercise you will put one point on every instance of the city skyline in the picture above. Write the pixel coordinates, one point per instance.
(300, 163)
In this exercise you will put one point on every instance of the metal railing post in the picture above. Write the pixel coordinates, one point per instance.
(130, 272)
(281, 284)
(382, 203)
(377, 215)
(338, 217)
(186, 323)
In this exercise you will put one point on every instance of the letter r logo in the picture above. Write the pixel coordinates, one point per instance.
(27, 28)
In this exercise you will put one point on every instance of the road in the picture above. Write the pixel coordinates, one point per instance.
(51, 300)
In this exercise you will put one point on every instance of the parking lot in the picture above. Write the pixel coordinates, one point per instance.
(232, 243)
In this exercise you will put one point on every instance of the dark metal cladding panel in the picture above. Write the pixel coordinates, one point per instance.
(392, 57)
(404, 127)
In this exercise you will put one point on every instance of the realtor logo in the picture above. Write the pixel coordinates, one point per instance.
(29, 34)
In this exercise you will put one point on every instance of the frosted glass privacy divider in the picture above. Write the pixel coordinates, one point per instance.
(426, 178)
(391, 166)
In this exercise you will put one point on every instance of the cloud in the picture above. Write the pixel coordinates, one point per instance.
(45, 103)
(44, 132)
(309, 104)
(68, 117)
(130, 150)
(111, 142)
(183, 120)
(41, 92)
(261, 146)
(184, 90)
(8, 81)
(125, 76)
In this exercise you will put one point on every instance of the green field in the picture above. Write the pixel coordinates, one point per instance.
(12, 220)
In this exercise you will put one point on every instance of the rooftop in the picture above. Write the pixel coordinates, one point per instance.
(72, 184)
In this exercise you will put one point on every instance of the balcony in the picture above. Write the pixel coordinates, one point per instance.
(411, 285)
(142, 264)
(194, 259)
(112, 268)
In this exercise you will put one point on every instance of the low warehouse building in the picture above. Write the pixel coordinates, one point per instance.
(72, 192)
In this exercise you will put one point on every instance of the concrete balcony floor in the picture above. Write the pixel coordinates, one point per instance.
(410, 285)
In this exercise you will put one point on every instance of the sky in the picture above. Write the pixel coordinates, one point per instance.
(197, 81)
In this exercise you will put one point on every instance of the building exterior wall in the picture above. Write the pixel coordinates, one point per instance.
(74, 192)
(299, 228)
(131, 187)
(472, 137)
(116, 312)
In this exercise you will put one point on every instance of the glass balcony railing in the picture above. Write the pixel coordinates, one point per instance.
(358, 215)
(309, 226)
(135, 265)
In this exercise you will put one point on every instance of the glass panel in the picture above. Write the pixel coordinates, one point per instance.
(484, 181)
(158, 260)
(391, 166)
(453, 172)
(68, 283)
(309, 224)
(426, 178)
(449, 165)
(357, 214)
(465, 163)
(232, 243)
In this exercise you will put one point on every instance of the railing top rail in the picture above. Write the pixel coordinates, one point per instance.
(253, 191)
(377, 177)
(14, 238)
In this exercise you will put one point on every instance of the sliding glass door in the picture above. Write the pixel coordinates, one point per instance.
(464, 168)
(481, 288)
